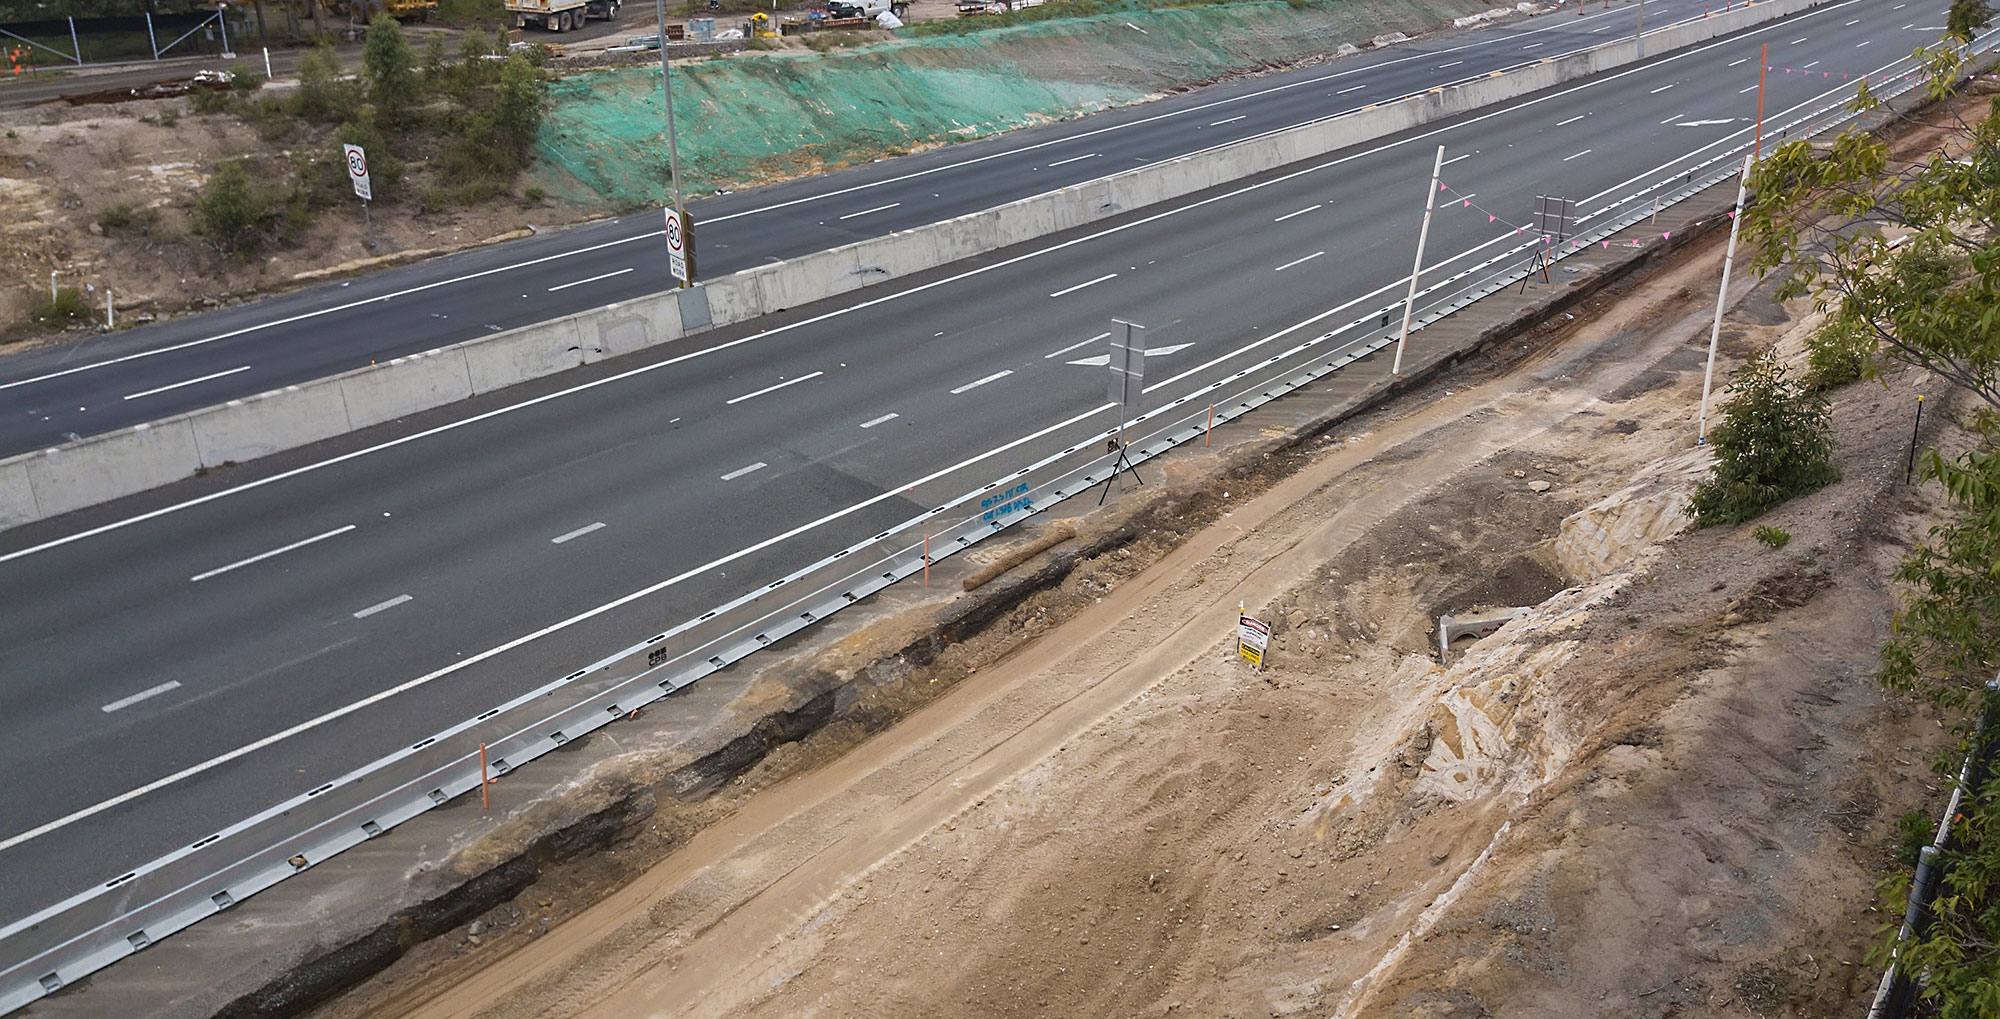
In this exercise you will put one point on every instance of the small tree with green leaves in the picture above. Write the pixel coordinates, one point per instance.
(1775, 442)
(229, 212)
(391, 66)
(518, 101)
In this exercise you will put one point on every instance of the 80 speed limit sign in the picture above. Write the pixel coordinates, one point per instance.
(677, 247)
(357, 170)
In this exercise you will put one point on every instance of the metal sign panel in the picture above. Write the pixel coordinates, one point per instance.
(1252, 638)
(357, 171)
(1128, 364)
(677, 261)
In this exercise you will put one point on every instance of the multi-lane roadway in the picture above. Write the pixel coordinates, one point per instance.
(147, 373)
(165, 672)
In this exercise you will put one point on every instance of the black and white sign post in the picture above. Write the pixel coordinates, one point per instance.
(357, 171)
(1127, 389)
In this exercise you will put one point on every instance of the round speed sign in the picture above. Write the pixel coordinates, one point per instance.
(357, 164)
(675, 242)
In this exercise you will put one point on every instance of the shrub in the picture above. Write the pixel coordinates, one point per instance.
(1776, 537)
(210, 100)
(1841, 351)
(115, 216)
(390, 64)
(517, 106)
(1774, 442)
(534, 194)
(322, 94)
(436, 62)
(229, 212)
(66, 305)
(243, 80)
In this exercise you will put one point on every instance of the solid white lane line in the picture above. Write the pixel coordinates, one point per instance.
(1705, 123)
(884, 419)
(865, 212)
(1454, 63)
(1282, 268)
(1080, 286)
(1572, 120)
(593, 279)
(1813, 64)
(126, 702)
(1796, 41)
(1073, 346)
(996, 376)
(1219, 123)
(1455, 159)
(669, 362)
(189, 382)
(1661, 89)
(740, 471)
(578, 533)
(1752, 88)
(1745, 60)
(1862, 43)
(772, 389)
(1301, 212)
(1851, 24)
(107, 362)
(1351, 88)
(261, 556)
(382, 606)
(1079, 159)
(1531, 46)
(1585, 152)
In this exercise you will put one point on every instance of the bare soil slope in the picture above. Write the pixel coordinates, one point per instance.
(1666, 791)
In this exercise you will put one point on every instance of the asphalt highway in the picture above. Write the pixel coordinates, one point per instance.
(495, 554)
(144, 374)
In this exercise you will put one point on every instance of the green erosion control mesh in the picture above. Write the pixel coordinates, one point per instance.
(756, 117)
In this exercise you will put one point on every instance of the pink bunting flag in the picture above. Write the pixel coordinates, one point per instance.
(1664, 236)
(1467, 205)
(1490, 217)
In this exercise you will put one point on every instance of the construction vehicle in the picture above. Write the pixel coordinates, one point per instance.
(401, 10)
(561, 15)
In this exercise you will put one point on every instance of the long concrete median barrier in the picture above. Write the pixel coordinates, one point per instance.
(42, 484)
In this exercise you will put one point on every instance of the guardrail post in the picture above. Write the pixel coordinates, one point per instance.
(485, 800)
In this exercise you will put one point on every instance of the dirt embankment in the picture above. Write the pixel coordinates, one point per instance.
(1666, 791)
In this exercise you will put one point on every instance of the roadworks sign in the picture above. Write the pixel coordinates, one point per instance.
(1253, 637)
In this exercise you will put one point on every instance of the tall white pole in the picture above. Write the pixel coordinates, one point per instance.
(1722, 298)
(673, 146)
(1410, 300)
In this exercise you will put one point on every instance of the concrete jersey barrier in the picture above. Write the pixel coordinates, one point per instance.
(46, 483)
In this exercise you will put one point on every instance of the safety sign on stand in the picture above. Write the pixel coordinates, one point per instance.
(1252, 638)
(357, 171)
(677, 260)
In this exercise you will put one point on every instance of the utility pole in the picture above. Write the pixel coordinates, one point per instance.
(1410, 300)
(673, 147)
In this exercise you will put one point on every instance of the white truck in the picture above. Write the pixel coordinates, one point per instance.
(560, 15)
(865, 8)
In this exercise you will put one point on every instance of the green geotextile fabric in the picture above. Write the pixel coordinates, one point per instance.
(756, 117)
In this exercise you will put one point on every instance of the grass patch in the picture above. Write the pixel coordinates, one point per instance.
(64, 307)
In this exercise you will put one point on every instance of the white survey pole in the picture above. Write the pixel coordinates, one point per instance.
(267, 63)
(1410, 299)
(110, 317)
(1722, 298)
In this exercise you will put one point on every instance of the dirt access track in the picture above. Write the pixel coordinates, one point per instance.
(1665, 791)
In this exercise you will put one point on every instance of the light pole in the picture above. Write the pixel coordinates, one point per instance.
(673, 148)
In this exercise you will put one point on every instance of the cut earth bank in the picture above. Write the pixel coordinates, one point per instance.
(1665, 791)
(747, 119)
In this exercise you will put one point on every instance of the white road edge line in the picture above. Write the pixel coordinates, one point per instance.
(126, 702)
(382, 606)
(884, 419)
(1301, 212)
(995, 377)
(866, 212)
(189, 382)
(1080, 286)
(578, 533)
(772, 389)
(261, 556)
(593, 279)
(1073, 346)
(1296, 261)
(740, 471)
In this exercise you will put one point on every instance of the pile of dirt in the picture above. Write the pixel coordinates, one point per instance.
(1665, 791)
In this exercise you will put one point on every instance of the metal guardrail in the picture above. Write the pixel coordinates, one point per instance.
(66, 941)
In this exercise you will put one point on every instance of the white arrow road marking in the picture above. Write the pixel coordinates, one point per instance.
(1102, 360)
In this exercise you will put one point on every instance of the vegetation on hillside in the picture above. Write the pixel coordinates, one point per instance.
(1906, 262)
(471, 117)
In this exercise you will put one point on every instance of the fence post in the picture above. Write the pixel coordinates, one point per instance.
(152, 40)
(75, 49)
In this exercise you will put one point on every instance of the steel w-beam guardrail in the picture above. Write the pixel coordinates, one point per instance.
(70, 939)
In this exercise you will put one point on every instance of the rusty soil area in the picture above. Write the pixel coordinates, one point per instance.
(1666, 790)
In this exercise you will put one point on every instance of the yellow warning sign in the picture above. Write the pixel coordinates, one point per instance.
(1252, 638)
